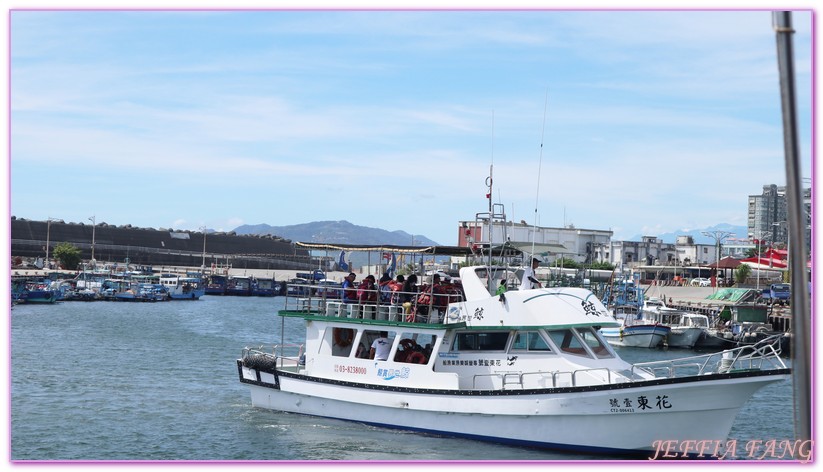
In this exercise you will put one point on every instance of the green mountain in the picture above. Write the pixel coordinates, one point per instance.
(336, 232)
(341, 232)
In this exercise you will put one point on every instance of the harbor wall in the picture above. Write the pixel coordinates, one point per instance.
(154, 247)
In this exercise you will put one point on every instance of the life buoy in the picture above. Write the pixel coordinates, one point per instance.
(416, 358)
(408, 344)
(342, 336)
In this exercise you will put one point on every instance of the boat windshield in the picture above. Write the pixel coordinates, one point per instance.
(698, 321)
(595, 343)
(582, 342)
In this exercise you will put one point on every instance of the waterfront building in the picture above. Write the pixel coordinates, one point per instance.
(768, 214)
(578, 244)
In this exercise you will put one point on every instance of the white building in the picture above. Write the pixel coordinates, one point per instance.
(571, 243)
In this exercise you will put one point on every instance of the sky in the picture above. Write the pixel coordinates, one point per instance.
(639, 122)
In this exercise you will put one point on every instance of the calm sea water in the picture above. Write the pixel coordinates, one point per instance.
(108, 381)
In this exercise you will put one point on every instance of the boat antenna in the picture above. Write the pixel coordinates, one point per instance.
(801, 342)
(539, 168)
(489, 184)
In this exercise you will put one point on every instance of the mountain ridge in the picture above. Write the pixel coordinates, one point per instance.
(739, 232)
(340, 231)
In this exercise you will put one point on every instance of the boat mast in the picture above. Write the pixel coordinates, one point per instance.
(489, 184)
(782, 23)
(539, 168)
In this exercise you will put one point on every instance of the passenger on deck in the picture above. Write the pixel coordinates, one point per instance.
(529, 278)
(434, 296)
(396, 287)
(409, 289)
(385, 288)
(380, 347)
(367, 291)
(349, 289)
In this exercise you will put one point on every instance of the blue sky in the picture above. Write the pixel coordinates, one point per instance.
(650, 121)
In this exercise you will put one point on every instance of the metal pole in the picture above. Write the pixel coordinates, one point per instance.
(719, 237)
(800, 295)
(93, 226)
(48, 230)
(203, 264)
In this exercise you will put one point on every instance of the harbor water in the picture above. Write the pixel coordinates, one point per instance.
(115, 381)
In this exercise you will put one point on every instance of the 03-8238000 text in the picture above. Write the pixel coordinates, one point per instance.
(350, 369)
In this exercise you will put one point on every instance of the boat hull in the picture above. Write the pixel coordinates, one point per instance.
(684, 337)
(646, 336)
(582, 419)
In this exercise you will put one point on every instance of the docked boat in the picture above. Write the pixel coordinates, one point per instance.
(624, 301)
(741, 324)
(33, 292)
(521, 367)
(264, 287)
(216, 284)
(183, 287)
(686, 327)
(239, 285)
(632, 330)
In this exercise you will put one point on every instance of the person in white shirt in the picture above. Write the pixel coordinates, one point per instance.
(529, 278)
(380, 347)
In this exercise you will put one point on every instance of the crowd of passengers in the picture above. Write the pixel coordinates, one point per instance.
(416, 299)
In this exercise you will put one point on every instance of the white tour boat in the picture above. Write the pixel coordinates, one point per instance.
(525, 367)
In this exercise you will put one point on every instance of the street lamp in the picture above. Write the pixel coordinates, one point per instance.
(762, 234)
(93, 226)
(776, 232)
(719, 237)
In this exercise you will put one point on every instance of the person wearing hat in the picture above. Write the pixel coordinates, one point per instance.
(529, 278)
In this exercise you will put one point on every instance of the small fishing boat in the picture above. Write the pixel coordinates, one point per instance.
(38, 292)
(143, 292)
(183, 287)
(264, 287)
(239, 285)
(625, 302)
(216, 284)
(518, 367)
(634, 331)
(686, 327)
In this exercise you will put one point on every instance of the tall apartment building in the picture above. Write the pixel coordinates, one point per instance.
(768, 216)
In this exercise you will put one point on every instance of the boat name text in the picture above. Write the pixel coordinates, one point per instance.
(590, 309)
(643, 404)
(389, 374)
(473, 362)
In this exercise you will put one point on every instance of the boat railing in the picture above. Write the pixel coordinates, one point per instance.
(601, 375)
(764, 355)
(277, 356)
(396, 306)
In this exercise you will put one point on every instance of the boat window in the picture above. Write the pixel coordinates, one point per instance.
(415, 348)
(567, 342)
(529, 341)
(367, 340)
(490, 341)
(698, 321)
(594, 342)
(342, 340)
